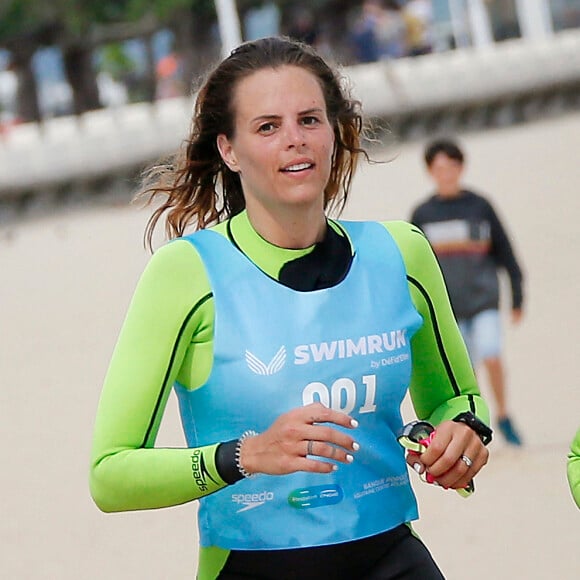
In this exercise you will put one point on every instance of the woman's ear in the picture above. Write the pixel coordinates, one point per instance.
(227, 153)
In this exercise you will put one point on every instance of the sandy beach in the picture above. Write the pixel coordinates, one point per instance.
(67, 279)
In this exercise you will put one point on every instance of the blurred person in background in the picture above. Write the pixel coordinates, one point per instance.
(392, 31)
(169, 75)
(291, 340)
(472, 245)
(8, 96)
(418, 20)
(379, 33)
(574, 468)
(303, 27)
(365, 32)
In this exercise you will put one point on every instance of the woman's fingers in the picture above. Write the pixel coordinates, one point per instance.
(454, 456)
(323, 449)
(330, 436)
(301, 440)
(318, 413)
(465, 468)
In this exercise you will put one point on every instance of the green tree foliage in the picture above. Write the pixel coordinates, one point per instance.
(79, 27)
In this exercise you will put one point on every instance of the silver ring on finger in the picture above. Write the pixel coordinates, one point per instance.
(466, 460)
(309, 447)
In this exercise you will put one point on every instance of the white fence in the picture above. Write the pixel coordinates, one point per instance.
(68, 149)
(468, 77)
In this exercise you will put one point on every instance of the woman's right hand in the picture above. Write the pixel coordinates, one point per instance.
(302, 432)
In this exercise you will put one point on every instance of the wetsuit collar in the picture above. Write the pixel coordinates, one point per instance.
(265, 255)
(319, 266)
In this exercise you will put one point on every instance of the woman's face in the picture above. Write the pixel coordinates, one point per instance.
(283, 141)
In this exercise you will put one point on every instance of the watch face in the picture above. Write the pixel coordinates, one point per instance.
(417, 430)
(413, 433)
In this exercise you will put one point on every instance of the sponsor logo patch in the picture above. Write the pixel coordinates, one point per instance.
(315, 496)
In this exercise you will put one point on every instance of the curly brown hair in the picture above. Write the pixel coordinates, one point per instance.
(197, 186)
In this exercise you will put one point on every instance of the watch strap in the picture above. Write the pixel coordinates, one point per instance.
(482, 430)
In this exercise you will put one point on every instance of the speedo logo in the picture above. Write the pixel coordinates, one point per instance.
(200, 471)
(348, 347)
(271, 368)
(250, 501)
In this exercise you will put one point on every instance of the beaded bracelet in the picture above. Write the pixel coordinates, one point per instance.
(241, 440)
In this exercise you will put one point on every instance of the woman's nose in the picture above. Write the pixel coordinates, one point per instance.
(295, 136)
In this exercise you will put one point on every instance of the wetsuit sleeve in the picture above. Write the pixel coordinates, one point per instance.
(170, 307)
(443, 383)
(574, 468)
(503, 254)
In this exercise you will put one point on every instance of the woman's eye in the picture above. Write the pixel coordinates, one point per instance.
(310, 120)
(266, 127)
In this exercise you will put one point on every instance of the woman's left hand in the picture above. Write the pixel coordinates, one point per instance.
(454, 456)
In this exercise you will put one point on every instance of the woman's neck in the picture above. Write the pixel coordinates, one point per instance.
(293, 230)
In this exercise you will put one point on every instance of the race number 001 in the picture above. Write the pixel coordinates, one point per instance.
(342, 395)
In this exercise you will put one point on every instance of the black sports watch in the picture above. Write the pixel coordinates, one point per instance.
(482, 430)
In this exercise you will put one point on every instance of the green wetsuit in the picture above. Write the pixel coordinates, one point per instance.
(574, 468)
(167, 336)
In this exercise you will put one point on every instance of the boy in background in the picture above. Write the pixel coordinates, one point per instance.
(471, 245)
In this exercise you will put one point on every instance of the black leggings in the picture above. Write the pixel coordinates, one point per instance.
(393, 555)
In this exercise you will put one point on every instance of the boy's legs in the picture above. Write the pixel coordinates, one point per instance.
(482, 334)
(487, 347)
(495, 373)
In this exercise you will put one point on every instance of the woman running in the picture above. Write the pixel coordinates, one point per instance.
(291, 340)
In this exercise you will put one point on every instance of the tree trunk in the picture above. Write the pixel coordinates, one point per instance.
(149, 81)
(27, 103)
(80, 73)
(194, 43)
